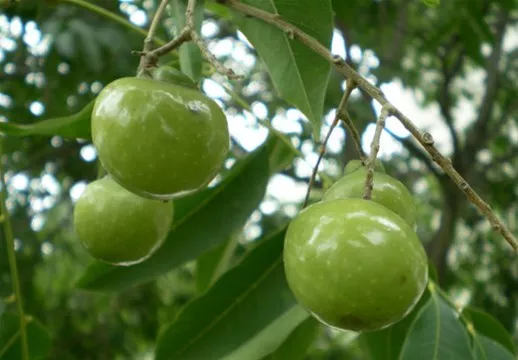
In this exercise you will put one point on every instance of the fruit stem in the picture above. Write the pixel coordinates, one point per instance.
(350, 86)
(375, 146)
(9, 238)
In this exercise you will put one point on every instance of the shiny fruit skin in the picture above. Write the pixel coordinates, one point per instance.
(387, 191)
(118, 227)
(159, 140)
(354, 264)
(354, 165)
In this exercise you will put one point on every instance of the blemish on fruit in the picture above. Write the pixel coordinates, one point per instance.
(402, 279)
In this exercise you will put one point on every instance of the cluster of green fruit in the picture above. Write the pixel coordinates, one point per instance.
(158, 138)
(357, 264)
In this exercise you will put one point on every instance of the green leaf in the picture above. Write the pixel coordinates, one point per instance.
(246, 314)
(191, 60)
(297, 344)
(299, 74)
(431, 3)
(202, 222)
(37, 337)
(206, 265)
(486, 325)
(488, 349)
(436, 334)
(72, 126)
(386, 344)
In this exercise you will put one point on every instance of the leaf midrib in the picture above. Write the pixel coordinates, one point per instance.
(237, 301)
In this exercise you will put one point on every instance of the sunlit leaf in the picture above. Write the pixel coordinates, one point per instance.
(72, 126)
(436, 334)
(246, 314)
(298, 73)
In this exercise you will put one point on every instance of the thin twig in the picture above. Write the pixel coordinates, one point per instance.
(184, 36)
(349, 73)
(212, 59)
(147, 59)
(13, 269)
(150, 57)
(341, 107)
(353, 133)
(375, 146)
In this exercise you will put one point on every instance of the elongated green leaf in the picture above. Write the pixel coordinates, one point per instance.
(386, 344)
(190, 56)
(486, 325)
(72, 126)
(206, 265)
(37, 336)
(246, 314)
(299, 75)
(488, 349)
(297, 344)
(436, 334)
(203, 222)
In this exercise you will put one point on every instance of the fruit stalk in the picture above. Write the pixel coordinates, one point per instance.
(353, 132)
(350, 86)
(375, 146)
(9, 238)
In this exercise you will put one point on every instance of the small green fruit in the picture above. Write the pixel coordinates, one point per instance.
(386, 191)
(354, 165)
(354, 264)
(157, 139)
(118, 227)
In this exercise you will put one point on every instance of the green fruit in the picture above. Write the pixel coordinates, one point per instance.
(119, 227)
(354, 264)
(159, 140)
(173, 76)
(386, 191)
(354, 165)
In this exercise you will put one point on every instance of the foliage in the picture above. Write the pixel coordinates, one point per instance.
(216, 288)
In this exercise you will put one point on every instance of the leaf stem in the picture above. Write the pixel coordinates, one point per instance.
(424, 139)
(9, 238)
(375, 146)
(116, 18)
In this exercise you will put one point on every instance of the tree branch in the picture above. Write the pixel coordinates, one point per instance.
(425, 139)
(479, 128)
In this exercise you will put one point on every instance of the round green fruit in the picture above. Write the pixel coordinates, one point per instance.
(118, 227)
(159, 140)
(354, 165)
(386, 191)
(354, 264)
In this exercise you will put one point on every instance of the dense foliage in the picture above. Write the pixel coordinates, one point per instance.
(217, 286)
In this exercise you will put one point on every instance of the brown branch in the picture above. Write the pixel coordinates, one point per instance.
(424, 139)
(417, 151)
(375, 146)
(479, 128)
(341, 107)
